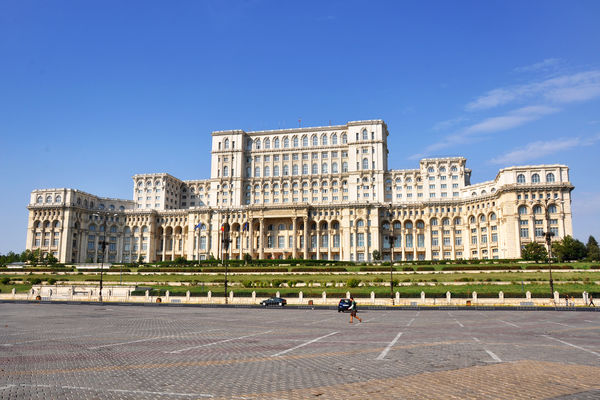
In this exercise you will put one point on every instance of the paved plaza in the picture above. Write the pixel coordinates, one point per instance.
(59, 351)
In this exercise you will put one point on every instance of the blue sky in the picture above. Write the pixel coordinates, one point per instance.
(92, 92)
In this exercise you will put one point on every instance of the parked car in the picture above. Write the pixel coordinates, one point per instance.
(274, 301)
(344, 305)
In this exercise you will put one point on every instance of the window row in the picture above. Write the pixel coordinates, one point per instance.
(294, 141)
(535, 178)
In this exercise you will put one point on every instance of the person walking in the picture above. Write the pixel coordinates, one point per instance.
(353, 310)
(591, 301)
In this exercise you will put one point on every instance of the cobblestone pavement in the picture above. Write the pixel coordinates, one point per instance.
(134, 352)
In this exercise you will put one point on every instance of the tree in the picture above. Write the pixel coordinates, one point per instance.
(140, 259)
(50, 259)
(376, 255)
(247, 258)
(180, 260)
(593, 251)
(534, 252)
(569, 249)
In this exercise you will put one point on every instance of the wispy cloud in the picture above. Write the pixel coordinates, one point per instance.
(548, 63)
(539, 149)
(510, 120)
(449, 123)
(474, 132)
(563, 89)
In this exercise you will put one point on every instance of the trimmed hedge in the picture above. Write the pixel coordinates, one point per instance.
(267, 269)
(319, 269)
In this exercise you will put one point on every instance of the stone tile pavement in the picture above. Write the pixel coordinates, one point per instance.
(52, 351)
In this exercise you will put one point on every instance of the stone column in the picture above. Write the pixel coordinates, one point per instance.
(329, 240)
(305, 238)
(318, 242)
(251, 237)
(295, 238)
(164, 244)
(427, 233)
(261, 243)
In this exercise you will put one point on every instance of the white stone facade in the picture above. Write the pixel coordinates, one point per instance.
(313, 193)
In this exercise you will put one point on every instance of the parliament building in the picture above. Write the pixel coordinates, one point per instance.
(315, 193)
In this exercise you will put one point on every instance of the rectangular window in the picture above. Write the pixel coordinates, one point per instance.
(458, 241)
(336, 240)
(524, 232)
(434, 241)
(202, 242)
(420, 240)
(409, 240)
(473, 239)
(494, 237)
(446, 240)
(360, 239)
(280, 242)
(483, 239)
(325, 240)
(539, 232)
(313, 241)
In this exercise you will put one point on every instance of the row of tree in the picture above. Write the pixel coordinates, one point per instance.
(30, 256)
(567, 249)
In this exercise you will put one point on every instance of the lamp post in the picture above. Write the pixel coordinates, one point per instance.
(102, 244)
(548, 235)
(226, 242)
(391, 239)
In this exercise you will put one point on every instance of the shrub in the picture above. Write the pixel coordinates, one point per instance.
(352, 282)
(51, 281)
(5, 280)
(35, 281)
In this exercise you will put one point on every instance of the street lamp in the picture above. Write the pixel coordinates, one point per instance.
(391, 239)
(102, 245)
(226, 241)
(548, 235)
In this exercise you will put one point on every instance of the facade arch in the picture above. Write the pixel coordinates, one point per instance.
(522, 210)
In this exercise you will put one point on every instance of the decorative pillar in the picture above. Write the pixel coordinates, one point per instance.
(251, 237)
(261, 241)
(305, 238)
(295, 238)
(318, 241)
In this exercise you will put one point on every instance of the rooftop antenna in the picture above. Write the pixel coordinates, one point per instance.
(299, 123)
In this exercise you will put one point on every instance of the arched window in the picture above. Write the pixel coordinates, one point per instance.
(257, 144)
(226, 145)
(442, 169)
(552, 209)
(48, 199)
(226, 171)
(276, 170)
(281, 227)
(344, 139)
(344, 166)
(457, 221)
(305, 141)
(482, 218)
(522, 210)
(433, 222)
(334, 139)
(385, 225)
(335, 225)
(520, 178)
(446, 222)
(58, 198)
(430, 170)
(315, 169)
(286, 142)
(286, 170)
(276, 143)
(295, 141)
(360, 223)
(471, 219)
(92, 228)
(365, 163)
(365, 135)
(550, 177)
(315, 140)
(334, 168)
(249, 144)
(56, 224)
(304, 169)
(492, 217)
(39, 200)
(408, 225)
(121, 208)
(324, 168)
(535, 178)
(324, 140)
(537, 209)
(267, 172)
(267, 144)
(256, 171)
(295, 169)
(420, 225)
(397, 225)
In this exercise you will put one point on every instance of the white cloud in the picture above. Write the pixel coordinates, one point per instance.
(563, 89)
(539, 149)
(548, 63)
(471, 133)
(449, 123)
(510, 120)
